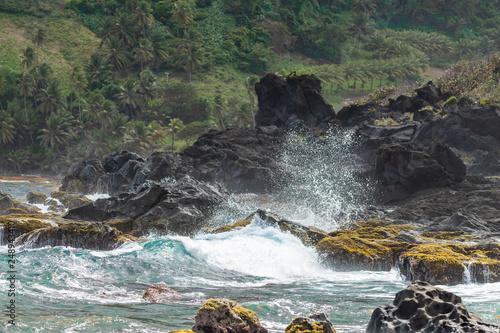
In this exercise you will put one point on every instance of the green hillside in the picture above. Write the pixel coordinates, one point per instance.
(83, 78)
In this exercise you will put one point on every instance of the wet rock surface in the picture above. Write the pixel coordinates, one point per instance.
(93, 236)
(160, 293)
(424, 308)
(223, 315)
(178, 207)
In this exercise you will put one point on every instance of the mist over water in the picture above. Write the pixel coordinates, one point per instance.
(317, 183)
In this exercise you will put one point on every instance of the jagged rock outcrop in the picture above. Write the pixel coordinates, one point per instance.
(224, 316)
(159, 293)
(408, 168)
(309, 236)
(450, 263)
(180, 207)
(93, 236)
(241, 160)
(290, 102)
(423, 308)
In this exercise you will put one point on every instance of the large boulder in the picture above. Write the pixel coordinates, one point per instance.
(296, 99)
(423, 308)
(6, 201)
(179, 207)
(411, 168)
(225, 316)
(36, 197)
(93, 236)
(240, 160)
(449, 263)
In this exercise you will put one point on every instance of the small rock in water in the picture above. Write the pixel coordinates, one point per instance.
(223, 316)
(36, 197)
(315, 323)
(159, 293)
(424, 308)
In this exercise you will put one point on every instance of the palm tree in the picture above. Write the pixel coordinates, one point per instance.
(173, 128)
(143, 53)
(58, 131)
(360, 26)
(39, 39)
(52, 98)
(158, 47)
(97, 69)
(143, 16)
(114, 54)
(124, 28)
(128, 96)
(220, 104)
(137, 137)
(25, 87)
(182, 14)
(190, 53)
(156, 131)
(7, 128)
(28, 58)
(19, 158)
(106, 29)
(367, 7)
(79, 82)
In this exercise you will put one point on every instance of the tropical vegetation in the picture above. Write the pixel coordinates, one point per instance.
(84, 78)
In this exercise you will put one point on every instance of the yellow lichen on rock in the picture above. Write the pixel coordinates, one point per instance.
(315, 323)
(223, 315)
(181, 331)
(229, 227)
(349, 252)
(448, 264)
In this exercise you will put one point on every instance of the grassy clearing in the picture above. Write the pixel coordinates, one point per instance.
(68, 41)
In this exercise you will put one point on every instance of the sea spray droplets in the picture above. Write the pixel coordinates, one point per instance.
(318, 183)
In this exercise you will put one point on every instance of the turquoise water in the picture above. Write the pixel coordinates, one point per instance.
(261, 268)
(268, 271)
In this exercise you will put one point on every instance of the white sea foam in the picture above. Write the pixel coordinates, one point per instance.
(96, 196)
(257, 251)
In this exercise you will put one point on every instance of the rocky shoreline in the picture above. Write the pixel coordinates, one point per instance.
(434, 212)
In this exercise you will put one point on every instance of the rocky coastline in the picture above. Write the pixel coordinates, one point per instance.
(434, 212)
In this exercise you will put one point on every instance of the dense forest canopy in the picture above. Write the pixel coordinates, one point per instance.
(84, 78)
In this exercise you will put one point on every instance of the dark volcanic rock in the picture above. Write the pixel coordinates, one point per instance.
(178, 207)
(93, 236)
(241, 160)
(426, 309)
(470, 206)
(283, 103)
(409, 168)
